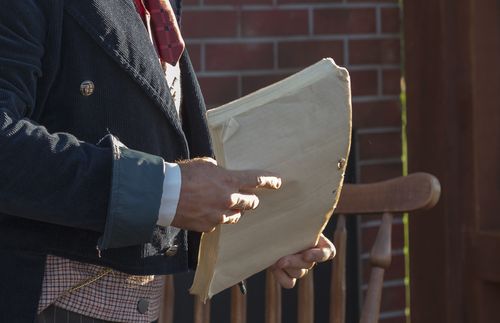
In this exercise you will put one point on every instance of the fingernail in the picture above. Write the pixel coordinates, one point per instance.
(266, 180)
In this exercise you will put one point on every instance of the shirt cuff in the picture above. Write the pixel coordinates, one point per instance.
(171, 192)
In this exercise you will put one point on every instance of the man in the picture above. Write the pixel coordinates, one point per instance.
(93, 206)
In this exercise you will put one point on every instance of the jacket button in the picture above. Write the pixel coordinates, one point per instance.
(142, 306)
(171, 251)
(87, 88)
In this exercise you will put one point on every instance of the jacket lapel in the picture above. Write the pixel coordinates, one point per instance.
(118, 29)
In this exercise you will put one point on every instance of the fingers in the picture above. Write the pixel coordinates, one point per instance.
(323, 251)
(296, 273)
(247, 180)
(257, 178)
(244, 201)
(269, 181)
(211, 195)
(232, 218)
(294, 261)
(238, 204)
(288, 278)
(318, 254)
(290, 268)
(209, 160)
(197, 160)
(283, 279)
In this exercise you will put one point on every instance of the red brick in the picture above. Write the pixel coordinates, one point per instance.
(198, 24)
(393, 299)
(299, 54)
(236, 2)
(399, 319)
(374, 51)
(255, 1)
(376, 114)
(391, 22)
(274, 23)
(396, 270)
(195, 55)
(219, 90)
(379, 145)
(391, 82)
(364, 82)
(380, 172)
(306, 1)
(344, 21)
(368, 236)
(239, 56)
(253, 83)
(374, 1)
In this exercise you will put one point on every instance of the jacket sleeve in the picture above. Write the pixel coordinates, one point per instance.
(54, 177)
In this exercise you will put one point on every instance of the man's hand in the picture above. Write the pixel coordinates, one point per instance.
(290, 268)
(211, 195)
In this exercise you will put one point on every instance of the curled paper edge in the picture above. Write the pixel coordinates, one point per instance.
(230, 128)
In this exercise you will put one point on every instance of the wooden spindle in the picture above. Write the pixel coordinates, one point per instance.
(167, 301)
(201, 311)
(273, 299)
(305, 313)
(380, 259)
(338, 279)
(238, 306)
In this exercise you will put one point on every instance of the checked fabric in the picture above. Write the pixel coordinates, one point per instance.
(164, 28)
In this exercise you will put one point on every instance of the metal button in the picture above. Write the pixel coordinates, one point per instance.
(87, 88)
(171, 251)
(142, 305)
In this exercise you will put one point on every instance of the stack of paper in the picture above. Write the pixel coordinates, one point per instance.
(299, 128)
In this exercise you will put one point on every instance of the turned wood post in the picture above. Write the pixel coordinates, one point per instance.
(337, 282)
(380, 259)
(305, 306)
(273, 299)
(201, 311)
(238, 306)
(167, 301)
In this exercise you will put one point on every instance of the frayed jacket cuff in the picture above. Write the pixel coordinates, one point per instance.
(136, 190)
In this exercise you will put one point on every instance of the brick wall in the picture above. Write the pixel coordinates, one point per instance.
(238, 46)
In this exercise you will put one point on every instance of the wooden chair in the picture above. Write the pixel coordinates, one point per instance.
(403, 194)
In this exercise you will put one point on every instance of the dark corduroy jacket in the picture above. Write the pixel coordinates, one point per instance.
(81, 172)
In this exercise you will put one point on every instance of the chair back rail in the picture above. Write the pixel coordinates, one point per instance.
(417, 191)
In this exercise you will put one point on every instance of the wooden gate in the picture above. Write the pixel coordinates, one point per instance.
(453, 89)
